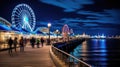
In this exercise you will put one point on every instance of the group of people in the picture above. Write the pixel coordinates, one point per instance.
(37, 41)
(14, 42)
(22, 42)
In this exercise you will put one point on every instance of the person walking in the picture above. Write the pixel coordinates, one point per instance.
(38, 42)
(15, 42)
(10, 43)
(21, 44)
(42, 41)
(32, 41)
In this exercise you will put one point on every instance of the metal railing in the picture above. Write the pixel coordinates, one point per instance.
(69, 60)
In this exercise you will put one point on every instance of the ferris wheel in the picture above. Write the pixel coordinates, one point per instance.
(23, 17)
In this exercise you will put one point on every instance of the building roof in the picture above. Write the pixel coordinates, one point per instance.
(4, 21)
(4, 28)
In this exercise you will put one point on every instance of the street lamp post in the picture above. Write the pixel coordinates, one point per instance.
(49, 25)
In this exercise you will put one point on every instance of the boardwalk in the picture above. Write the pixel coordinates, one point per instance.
(32, 57)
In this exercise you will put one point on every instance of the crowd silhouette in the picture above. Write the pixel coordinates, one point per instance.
(14, 43)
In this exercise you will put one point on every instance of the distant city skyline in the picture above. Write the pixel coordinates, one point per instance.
(89, 16)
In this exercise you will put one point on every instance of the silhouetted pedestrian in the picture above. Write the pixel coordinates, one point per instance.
(38, 42)
(21, 42)
(32, 41)
(42, 41)
(15, 42)
(10, 43)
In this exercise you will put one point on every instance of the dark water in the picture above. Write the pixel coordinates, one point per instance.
(99, 52)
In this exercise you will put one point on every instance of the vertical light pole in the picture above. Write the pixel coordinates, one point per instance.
(49, 25)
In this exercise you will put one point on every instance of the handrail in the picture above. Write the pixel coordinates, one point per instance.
(72, 56)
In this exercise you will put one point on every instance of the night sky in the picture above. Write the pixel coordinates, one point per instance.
(89, 16)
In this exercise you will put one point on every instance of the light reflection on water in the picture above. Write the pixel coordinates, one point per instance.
(99, 52)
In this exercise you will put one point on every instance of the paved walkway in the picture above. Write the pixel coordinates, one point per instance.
(32, 57)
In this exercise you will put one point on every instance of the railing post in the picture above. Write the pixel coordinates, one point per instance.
(69, 61)
(73, 62)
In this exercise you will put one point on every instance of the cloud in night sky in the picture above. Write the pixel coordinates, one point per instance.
(68, 5)
(107, 16)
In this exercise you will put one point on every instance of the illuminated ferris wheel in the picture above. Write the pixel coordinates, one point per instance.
(23, 17)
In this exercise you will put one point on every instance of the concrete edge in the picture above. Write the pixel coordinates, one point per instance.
(56, 61)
